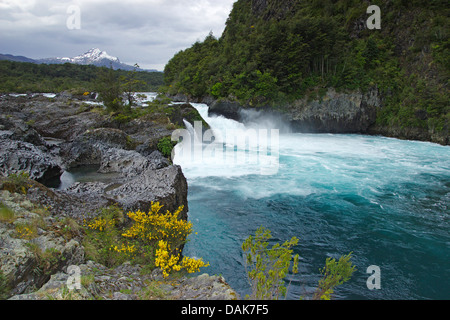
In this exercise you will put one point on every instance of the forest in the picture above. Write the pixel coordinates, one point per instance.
(23, 77)
(274, 52)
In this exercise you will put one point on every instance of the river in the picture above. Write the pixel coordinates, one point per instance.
(385, 200)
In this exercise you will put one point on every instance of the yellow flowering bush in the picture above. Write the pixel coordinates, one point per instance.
(168, 262)
(153, 238)
(165, 260)
(155, 225)
(102, 234)
(193, 265)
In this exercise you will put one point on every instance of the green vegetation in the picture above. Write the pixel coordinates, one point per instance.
(113, 88)
(153, 239)
(334, 274)
(165, 146)
(270, 267)
(275, 52)
(6, 214)
(16, 182)
(48, 259)
(22, 77)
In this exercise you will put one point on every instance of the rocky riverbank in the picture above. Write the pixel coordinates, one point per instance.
(39, 222)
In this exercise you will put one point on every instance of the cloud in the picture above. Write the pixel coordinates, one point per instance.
(146, 32)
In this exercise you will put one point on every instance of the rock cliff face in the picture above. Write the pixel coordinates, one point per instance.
(336, 112)
(353, 112)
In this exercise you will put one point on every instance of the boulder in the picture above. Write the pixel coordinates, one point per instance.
(226, 108)
(110, 137)
(17, 156)
(167, 186)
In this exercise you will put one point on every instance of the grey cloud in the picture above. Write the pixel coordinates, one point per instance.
(146, 32)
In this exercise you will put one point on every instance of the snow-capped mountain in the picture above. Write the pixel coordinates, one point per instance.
(95, 57)
(91, 57)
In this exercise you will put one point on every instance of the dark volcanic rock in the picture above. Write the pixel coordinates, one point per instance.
(113, 138)
(336, 112)
(19, 130)
(186, 112)
(225, 108)
(79, 202)
(352, 112)
(135, 178)
(168, 186)
(16, 156)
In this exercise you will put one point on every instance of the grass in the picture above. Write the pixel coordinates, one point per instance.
(6, 214)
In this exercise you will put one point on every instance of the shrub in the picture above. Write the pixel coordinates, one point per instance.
(165, 146)
(167, 231)
(269, 266)
(153, 239)
(334, 274)
(17, 183)
(102, 233)
(168, 262)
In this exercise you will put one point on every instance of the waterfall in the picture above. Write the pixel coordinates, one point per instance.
(192, 131)
(228, 148)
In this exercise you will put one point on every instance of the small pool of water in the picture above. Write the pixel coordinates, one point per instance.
(84, 174)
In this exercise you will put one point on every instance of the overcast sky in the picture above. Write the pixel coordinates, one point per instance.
(147, 32)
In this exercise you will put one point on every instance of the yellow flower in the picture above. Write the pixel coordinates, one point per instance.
(100, 224)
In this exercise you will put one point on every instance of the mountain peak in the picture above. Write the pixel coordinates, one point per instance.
(94, 55)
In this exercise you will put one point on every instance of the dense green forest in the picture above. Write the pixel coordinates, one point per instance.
(273, 52)
(22, 77)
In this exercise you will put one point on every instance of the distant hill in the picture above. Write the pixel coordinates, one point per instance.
(10, 57)
(95, 57)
